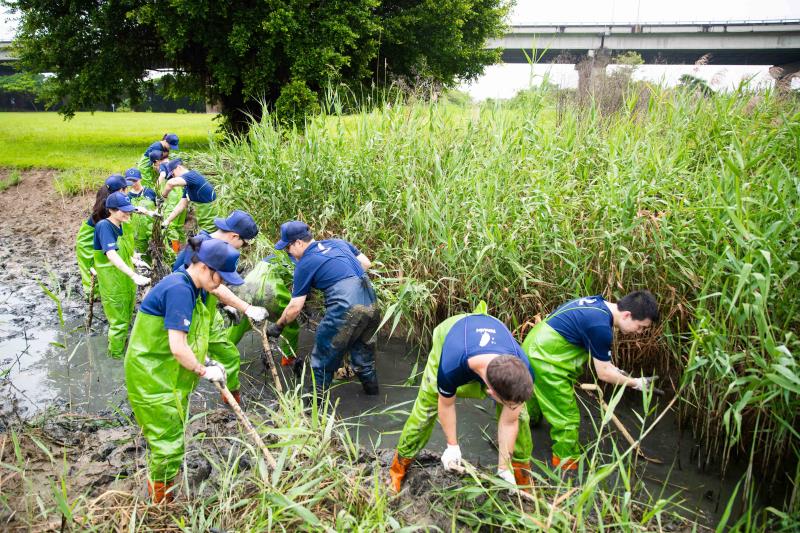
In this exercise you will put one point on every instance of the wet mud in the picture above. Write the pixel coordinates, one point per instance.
(66, 409)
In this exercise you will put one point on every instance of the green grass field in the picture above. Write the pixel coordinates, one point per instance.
(101, 142)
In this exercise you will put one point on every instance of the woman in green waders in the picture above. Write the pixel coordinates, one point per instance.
(116, 279)
(169, 142)
(164, 359)
(84, 243)
(196, 189)
(144, 199)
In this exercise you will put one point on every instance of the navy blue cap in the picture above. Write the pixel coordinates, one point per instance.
(116, 183)
(172, 141)
(238, 222)
(132, 175)
(172, 165)
(119, 200)
(156, 155)
(221, 257)
(291, 231)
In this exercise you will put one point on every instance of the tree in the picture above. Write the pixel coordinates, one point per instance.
(242, 52)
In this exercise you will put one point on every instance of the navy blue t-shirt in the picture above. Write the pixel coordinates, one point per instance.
(198, 189)
(155, 146)
(90, 221)
(185, 254)
(174, 299)
(106, 235)
(470, 336)
(587, 323)
(147, 192)
(323, 264)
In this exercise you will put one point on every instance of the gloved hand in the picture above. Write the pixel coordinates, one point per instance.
(256, 314)
(140, 280)
(139, 263)
(643, 383)
(507, 475)
(233, 313)
(274, 330)
(214, 372)
(164, 224)
(451, 457)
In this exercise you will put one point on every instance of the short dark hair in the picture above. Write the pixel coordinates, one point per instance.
(640, 304)
(508, 376)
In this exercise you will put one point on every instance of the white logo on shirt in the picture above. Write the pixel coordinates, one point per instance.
(586, 301)
(110, 245)
(486, 336)
(186, 322)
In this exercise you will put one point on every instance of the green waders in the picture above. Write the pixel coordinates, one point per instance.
(149, 175)
(205, 213)
(220, 347)
(557, 364)
(117, 293)
(263, 286)
(419, 426)
(159, 387)
(175, 231)
(142, 225)
(84, 251)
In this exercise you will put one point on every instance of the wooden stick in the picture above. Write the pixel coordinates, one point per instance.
(628, 437)
(90, 315)
(251, 431)
(268, 359)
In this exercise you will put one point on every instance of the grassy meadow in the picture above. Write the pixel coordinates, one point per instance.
(91, 146)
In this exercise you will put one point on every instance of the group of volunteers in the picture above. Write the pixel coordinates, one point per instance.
(180, 336)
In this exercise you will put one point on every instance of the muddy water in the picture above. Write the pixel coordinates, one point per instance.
(45, 364)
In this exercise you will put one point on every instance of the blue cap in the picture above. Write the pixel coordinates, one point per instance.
(116, 183)
(238, 222)
(291, 231)
(156, 155)
(119, 200)
(221, 257)
(132, 175)
(172, 141)
(172, 165)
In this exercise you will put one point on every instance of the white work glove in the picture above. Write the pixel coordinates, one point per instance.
(214, 372)
(140, 280)
(255, 313)
(233, 313)
(451, 457)
(138, 262)
(165, 225)
(507, 475)
(643, 383)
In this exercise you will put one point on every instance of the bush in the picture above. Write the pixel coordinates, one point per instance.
(295, 103)
(181, 111)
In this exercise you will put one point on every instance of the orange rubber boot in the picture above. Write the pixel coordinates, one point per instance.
(176, 246)
(286, 361)
(522, 474)
(236, 396)
(398, 471)
(565, 464)
(160, 492)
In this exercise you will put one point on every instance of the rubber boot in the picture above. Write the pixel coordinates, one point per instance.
(522, 474)
(370, 387)
(236, 396)
(286, 361)
(398, 471)
(175, 245)
(564, 464)
(160, 492)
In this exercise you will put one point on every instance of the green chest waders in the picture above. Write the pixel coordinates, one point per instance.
(149, 176)
(175, 232)
(142, 225)
(419, 426)
(205, 213)
(117, 294)
(159, 387)
(84, 251)
(557, 364)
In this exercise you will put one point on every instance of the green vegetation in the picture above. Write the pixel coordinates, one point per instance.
(694, 198)
(9, 181)
(89, 147)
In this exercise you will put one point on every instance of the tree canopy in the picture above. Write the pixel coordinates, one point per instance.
(239, 53)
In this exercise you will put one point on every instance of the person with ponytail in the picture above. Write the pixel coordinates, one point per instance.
(168, 354)
(84, 245)
(169, 142)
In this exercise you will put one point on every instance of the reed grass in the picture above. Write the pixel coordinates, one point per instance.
(524, 206)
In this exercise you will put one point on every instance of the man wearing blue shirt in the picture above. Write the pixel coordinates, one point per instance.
(473, 356)
(560, 345)
(338, 269)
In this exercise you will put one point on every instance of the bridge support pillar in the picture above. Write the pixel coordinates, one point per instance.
(592, 71)
(786, 76)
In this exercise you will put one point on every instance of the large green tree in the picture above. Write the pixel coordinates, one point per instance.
(241, 52)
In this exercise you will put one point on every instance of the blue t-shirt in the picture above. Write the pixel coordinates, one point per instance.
(587, 323)
(198, 189)
(155, 146)
(185, 255)
(90, 221)
(323, 264)
(147, 192)
(106, 235)
(169, 167)
(470, 336)
(174, 299)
